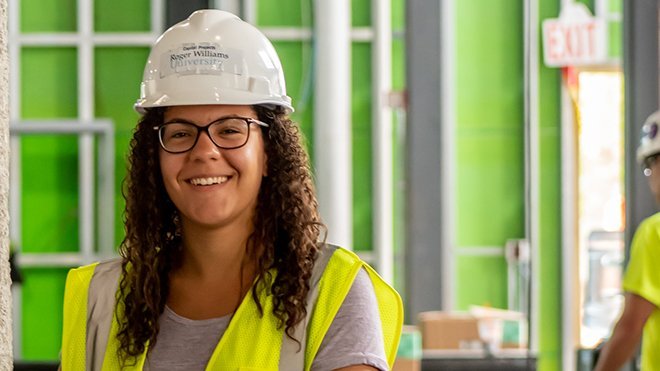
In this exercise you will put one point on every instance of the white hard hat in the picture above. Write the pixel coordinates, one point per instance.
(213, 57)
(650, 143)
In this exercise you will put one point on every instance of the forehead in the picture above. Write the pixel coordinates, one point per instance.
(207, 113)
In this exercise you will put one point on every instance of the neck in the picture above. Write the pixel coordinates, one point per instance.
(216, 271)
(210, 253)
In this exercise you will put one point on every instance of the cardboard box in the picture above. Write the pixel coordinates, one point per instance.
(403, 364)
(449, 330)
(409, 353)
(501, 328)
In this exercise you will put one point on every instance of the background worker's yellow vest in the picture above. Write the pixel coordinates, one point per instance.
(251, 341)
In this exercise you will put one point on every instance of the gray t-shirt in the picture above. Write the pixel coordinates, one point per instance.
(354, 337)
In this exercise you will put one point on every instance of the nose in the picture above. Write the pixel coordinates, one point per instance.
(204, 148)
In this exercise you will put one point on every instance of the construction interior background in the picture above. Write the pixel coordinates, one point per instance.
(479, 154)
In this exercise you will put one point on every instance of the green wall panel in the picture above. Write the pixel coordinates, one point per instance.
(48, 15)
(297, 61)
(487, 283)
(398, 147)
(272, 13)
(49, 202)
(48, 82)
(49, 194)
(490, 186)
(398, 64)
(43, 290)
(489, 143)
(121, 16)
(117, 76)
(361, 13)
(362, 172)
(398, 15)
(550, 213)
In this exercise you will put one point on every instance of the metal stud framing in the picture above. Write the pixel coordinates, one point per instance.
(85, 126)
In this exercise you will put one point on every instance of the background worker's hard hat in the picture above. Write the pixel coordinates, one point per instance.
(650, 142)
(213, 57)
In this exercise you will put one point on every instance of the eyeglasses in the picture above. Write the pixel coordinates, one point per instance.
(228, 133)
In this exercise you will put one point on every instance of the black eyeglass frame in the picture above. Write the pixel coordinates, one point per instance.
(205, 128)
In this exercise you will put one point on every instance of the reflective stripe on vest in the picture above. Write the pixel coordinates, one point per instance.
(251, 341)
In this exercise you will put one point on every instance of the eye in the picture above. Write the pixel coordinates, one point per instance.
(228, 130)
(178, 131)
(229, 127)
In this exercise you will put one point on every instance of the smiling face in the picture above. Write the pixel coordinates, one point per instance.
(213, 187)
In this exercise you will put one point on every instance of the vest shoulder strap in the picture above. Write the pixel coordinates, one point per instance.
(333, 287)
(74, 325)
(100, 309)
(292, 356)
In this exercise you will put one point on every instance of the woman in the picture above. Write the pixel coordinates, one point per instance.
(221, 266)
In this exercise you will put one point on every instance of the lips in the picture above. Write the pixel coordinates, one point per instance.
(207, 181)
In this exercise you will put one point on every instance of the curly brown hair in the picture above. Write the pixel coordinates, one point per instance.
(287, 229)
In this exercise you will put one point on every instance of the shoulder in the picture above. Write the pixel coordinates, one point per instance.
(101, 275)
(355, 334)
(339, 253)
(107, 268)
(81, 275)
(648, 233)
(94, 269)
(650, 225)
(361, 294)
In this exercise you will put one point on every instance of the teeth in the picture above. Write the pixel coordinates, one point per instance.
(208, 181)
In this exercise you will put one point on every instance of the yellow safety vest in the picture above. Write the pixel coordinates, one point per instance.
(251, 341)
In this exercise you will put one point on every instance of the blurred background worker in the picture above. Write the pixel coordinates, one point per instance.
(642, 281)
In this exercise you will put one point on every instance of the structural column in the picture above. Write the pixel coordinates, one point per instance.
(6, 356)
(427, 224)
(642, 82)
(332, 118)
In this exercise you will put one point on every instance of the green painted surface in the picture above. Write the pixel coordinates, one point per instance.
(43, 290)
(482, 281)
(490, 188)
(48, 15)
(48, 82)
(490, 171)
(398, 147)
(49, 194)
(297, 61)
(117, 76)
(550, 305)
(398, 15)
(272, 13)
(362, 147)
(49, 173)
(301, 13)
(489, 143)
(49, 202)
(122, 16)
(360, 13)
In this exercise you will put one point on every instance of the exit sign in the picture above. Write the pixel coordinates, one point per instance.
(575, 38)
